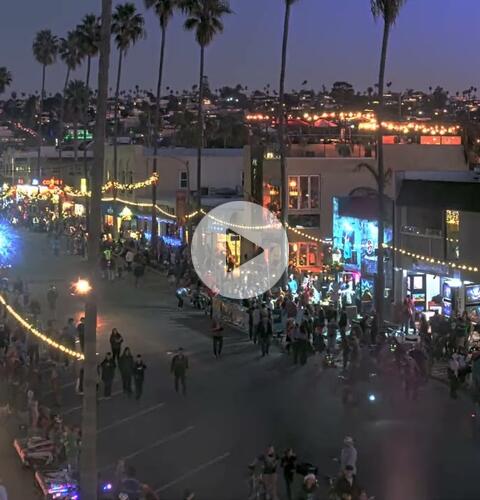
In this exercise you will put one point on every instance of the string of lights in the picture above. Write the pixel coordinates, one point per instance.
(432, 260)
(308, 236)
(44, 338)
(153, 179)
(140, 205)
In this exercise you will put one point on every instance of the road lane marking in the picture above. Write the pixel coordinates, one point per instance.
(192, 472)
(131, 417)
(164, 440)
(103, 398)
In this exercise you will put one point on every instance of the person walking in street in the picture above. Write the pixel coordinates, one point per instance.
(217, 337)
(179, 369)
(346, 485)
(270, 461)
(348, 455)
(107, 371)
(332, 328)
(116, 341)
(138, 271)
(453, 368)
(81, 333)
(289, 464)
(139, 376)
(256, 318)
(52, 297)
(181, 293)
(126, 367)
(264, 333)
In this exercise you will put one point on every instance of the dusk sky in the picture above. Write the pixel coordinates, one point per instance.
(434, 42)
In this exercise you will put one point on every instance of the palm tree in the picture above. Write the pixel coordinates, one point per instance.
(5, 79)
(71, 56)
(76, 98)
(89, 414)
(128, 28)
(205, 19)
(45, 48)
(164, 10)
(89, 37)
(388, 11)
(281, 120)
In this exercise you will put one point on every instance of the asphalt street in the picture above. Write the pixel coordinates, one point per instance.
(241, 403)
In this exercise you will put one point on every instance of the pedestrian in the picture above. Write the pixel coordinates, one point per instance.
(139, 376)
(270, 461)
(256, 318)
(348, 455)
(264, 333)
(309, 487)
(81, 333)
(129, 256)
(453, 368)
(289, 464)
(343, 323)
(55, 384)
(181, 293)
(33, 350)
(217, 337)
(111, 269)
(138, 272)
(116, 341)
(346, 484)
(345, 345)
(126, 367)
(107, 372)
(179, 369)
(332, 328)
(52, 296)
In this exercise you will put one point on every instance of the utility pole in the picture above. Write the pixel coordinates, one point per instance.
(88, 466)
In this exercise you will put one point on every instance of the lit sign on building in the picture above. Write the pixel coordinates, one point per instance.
(52, 182)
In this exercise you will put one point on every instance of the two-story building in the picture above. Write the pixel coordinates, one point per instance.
(314, 182)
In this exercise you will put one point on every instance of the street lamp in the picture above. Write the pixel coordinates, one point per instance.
(81, 287)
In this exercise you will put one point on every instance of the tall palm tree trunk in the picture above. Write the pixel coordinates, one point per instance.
(85, 127)
(89, 415)
(155, 141)
(61, 126)
(39, 150)
(380, 282)
(281, 129)
(200, 128)
(115, 138)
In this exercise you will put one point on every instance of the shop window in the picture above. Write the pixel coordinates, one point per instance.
(183, 180)
(304, 254)
(293, 192)
(303, 192)
(314, 191)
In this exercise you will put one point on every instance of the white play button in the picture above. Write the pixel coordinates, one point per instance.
(225, 235)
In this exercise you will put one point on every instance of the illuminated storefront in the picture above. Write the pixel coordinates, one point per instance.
(304, 255)
(355, 240)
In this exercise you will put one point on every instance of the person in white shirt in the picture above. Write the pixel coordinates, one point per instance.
(348, 455)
